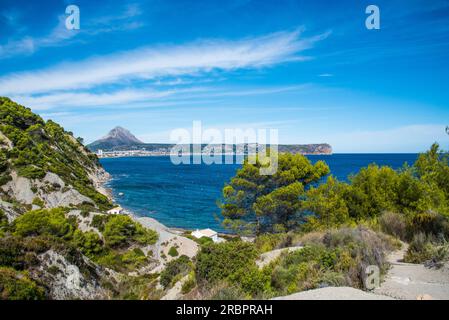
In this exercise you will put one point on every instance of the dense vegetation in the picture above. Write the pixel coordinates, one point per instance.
(36, 232)
(175, 270)
(290, 199)
(39, 147)
(342, 226)
(229, 270)
(80, 234)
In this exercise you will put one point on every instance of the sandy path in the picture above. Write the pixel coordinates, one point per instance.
(413, 281)
(175, 293)
(267, 257)
(167, 239)
(334, 293)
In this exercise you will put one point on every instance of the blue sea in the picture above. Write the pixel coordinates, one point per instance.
(185, 196)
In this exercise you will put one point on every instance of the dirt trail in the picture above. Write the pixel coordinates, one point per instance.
(175, 292)
(403, 281)
(334, 293)
(267, 257)
(413, 281)
(167, 239)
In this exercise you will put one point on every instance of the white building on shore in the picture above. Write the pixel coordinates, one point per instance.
(116, 210)
(208, 233)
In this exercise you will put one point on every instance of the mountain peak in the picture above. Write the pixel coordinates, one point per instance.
(122, 133)
(118, 136)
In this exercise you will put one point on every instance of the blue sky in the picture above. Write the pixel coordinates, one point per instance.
(307, 68)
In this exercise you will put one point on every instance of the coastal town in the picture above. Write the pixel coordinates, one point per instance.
(212, 149)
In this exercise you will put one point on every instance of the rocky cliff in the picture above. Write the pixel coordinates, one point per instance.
(56, 240)
(42, 165)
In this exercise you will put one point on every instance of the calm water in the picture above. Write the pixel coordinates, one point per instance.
(185, 195)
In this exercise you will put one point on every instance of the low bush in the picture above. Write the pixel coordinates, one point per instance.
(120, 230)
(134, 258)
(43, 222)
(427, 249)
(219, 261)
(122, 262)
(269, 241)
(31, 172)
(225, 291)
(335, 258)
(173, 252)
(89, 242)
(393, 224)
(174, 270)
(429, 223)
(17, 286)
(99, 221)
(189, 284)
(138, 288)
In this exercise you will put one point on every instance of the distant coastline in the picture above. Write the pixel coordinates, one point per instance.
(126, 154)
(157, 150)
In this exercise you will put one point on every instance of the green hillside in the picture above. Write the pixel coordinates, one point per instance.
(37, 147)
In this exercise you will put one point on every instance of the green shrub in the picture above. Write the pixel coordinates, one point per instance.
(134, 258)
(189, 284)
(393, 224)
(218, 261)
(173, 252)
(99, 221)
(84, 213)
(17, 286)
(31, 172)
(142, 287)
(430, 223)
(271, 241)
(419, 250)
(224, 291)
(427, 249)
(41, 222)
(38, 202)
(21, 253)
(88, 242)
(121, 230)
(174, 270)
(252, 281)
(203, 240)
(122, 262)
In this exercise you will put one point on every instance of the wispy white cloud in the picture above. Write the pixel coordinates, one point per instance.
(131, 11)
(86, 99)
(28, 45)
(142, 97)
(147, 63)
(60, 35)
